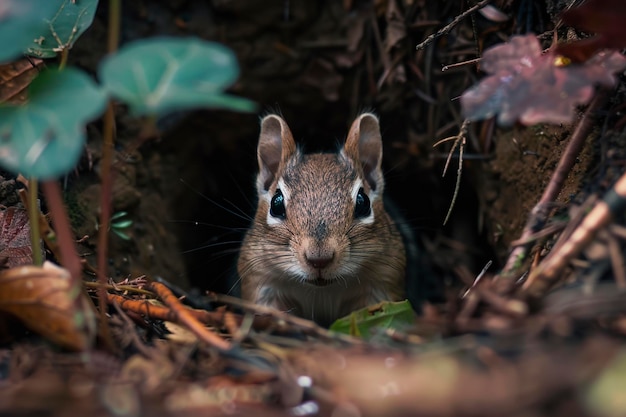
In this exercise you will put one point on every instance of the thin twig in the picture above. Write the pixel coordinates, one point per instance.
(304, 325)
(452, 24)
(542, 278)
(478, 278)
(460, 141)
(33, 215)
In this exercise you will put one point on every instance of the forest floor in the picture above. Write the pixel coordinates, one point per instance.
(477, 348)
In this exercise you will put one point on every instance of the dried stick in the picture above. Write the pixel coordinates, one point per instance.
(303, 324)
(542, 278)
(460, 141)
(539, 214)
(185, 317)
(452, 24)
(158, 312)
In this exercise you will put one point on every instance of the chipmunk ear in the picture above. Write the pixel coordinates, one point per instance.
(276, 146)
(364, 145)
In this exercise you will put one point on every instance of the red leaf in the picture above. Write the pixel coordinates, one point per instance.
(604, 18)
(15, 246)
(530, 87)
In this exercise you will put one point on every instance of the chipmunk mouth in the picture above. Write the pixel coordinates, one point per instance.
(317, 280)
(320, 282)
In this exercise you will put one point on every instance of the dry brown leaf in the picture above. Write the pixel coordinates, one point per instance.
(396, 28)
(322, 75)
(16, 76)
(44, 299)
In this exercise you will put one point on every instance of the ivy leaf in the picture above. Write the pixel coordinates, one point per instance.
(161, 74)
(62, 29)
(532, 87)
(21, 21)
(45, 137)
(386, 315)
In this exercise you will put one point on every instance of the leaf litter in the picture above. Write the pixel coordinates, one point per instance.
(479, 354)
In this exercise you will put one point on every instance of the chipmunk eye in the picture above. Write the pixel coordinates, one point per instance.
(363, 207)
(277, 205)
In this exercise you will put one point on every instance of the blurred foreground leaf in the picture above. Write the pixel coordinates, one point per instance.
(45, 137)
(62, 29)
(21, 21)
(158, 75)
(384, 315)
(532, 87)
(605, 396)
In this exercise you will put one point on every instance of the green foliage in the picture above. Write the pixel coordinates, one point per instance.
(119, 222)
(21, 21)
(605, 395)
(45, 137)
(385, 315)
(161, 74)
(70, 20)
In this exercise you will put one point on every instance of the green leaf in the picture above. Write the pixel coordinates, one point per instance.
(386, 315)
(121, 234)
(161, 74)
(121, 224)
(61, 30)
(21, 21)
(119, 215)
(604, 396)
(45, 137)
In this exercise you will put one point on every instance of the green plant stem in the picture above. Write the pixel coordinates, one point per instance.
(33, 215)
(115, 11)
(65, 53)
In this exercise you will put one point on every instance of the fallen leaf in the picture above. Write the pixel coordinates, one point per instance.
(385, 315)
(396, 27)
(493, 13)
(15, 245)
(45, 300)
(15, 77)
(532, 87)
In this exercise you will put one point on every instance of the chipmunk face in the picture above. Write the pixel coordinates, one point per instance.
(315, 212)
(321, 231)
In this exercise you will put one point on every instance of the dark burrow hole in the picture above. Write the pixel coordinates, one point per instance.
(215, 153)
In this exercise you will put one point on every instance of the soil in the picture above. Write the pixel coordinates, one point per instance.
(189, 190)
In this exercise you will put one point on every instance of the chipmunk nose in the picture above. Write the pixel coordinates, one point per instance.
(320, 260)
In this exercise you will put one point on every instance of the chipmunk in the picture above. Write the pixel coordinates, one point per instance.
(321, 244)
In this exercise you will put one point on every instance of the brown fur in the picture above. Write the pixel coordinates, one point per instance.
(321, 262)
